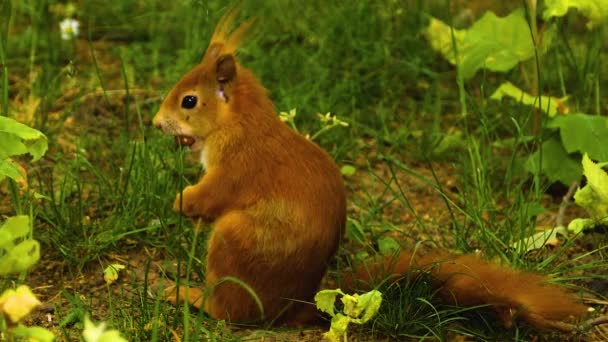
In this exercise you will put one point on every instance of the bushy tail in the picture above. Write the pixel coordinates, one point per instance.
(467, 280)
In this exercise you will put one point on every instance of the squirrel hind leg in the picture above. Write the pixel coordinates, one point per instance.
(306, 315)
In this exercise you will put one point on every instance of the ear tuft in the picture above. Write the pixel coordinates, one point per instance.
(225, 68)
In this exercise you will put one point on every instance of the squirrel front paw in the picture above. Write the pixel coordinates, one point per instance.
(187, 202)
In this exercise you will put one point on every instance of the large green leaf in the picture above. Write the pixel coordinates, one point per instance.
(550, 105)
(326, 299)
(595, 10)
(494, 43)
(557, 164)
(594, 195)
(439, 35)
(584, 134)
(11, 145)
(20, 258)
(9, 169)
(14, 228)
(18, 253)
(17, 138)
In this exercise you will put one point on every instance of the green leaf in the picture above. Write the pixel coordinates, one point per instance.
(595, 10)
(577, 225)
(348, 170)
(111, 336)
(20, 258)
(326, 299)
(6, 241)
(557, 164)
(361, 255)
(440, 36)
(16, 254)
(17, 138)
(594, 195)
(357, 309)
(351, 305)
(10, 170)
(388, 245)
(338, 327)
(361, 308)
(11, 145)
(494, 43)
(98, 333)
(448, 143)
(584, 134)
(15, 227)
(110, 273)
(550, 105)
(33, 334)
(354, 230)
(540, 239)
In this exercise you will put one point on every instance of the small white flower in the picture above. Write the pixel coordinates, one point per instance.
(69, 28)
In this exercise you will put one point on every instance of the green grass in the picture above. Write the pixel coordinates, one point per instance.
(109, 179)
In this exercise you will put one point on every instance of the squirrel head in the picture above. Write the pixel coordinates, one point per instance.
(200, 102)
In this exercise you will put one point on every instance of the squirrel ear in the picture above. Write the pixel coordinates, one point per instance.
(225, 68)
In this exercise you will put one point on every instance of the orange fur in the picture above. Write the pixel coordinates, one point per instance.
(277, 204)
(276, 200)
(467, 280)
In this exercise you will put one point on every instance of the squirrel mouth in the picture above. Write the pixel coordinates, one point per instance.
(184, 140)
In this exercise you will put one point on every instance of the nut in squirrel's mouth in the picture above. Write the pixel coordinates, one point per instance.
(184, 140)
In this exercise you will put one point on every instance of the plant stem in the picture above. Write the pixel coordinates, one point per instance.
(559, 219)
(5, 16)
(531, 6)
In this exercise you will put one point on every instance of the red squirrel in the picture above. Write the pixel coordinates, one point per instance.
(277, 203)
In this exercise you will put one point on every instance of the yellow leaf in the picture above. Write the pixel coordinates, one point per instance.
(16, 304)
(548, 104)
(110, 273)
(439, 35)
(546, 237)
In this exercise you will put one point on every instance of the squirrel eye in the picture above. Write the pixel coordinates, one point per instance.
(189, 102)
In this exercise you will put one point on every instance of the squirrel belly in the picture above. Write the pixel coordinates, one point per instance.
(277, 203)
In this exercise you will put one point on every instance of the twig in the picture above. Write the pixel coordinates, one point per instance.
(559, 218)
(596, 321)
(568, 327)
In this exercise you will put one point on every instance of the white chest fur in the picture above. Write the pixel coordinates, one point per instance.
(204, 158)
